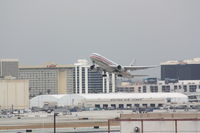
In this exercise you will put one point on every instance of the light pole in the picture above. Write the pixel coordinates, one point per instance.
(54, 116)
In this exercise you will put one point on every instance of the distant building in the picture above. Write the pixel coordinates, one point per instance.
(181, 70)
(14, 94)
(48, 79)
(9, 67)
(66, 79)
(191, 88)
(125, 87)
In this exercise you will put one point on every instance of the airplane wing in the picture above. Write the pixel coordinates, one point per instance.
(139, 75)
(132, 68)
(129, 75)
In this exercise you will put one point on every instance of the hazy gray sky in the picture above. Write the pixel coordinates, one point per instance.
(63, 31)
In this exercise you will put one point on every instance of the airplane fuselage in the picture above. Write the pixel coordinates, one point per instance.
(107, 65)
(103, 62)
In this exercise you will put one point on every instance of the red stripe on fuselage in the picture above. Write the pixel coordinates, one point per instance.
(102, 59)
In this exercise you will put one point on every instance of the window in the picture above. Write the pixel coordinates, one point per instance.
(168, 100)
(128, 106)
(121, 106)
(175, 87)
(137, 105)
(185, 88)
(166, 88)
(144, 89)
(154, 88)
(139, 89)
(160, 105)
(113, 106)
(192, 88)
(192, 97)
(152, 105)
(144, 105)
(179, 87)
(105, 106)
(97, 105)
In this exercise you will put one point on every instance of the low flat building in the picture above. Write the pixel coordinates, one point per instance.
(14, 94)
(111, 100)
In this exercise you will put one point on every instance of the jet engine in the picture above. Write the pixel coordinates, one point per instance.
(119, 68)
(92, 67)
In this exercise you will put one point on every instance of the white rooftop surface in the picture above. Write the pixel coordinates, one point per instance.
(131, 95)
(189, 61)
(76, 99)
(118, 95)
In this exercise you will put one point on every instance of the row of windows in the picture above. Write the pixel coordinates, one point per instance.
(42, 91)
(45, 83)
(166, 88)
(42, 82)
(38, 73)
(126, 89)
(121, 106)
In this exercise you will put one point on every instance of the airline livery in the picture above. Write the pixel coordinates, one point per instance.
(107, 65)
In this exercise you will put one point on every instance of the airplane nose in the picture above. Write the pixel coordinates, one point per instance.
(92, 55)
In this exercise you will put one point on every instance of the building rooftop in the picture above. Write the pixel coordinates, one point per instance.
(47, 65)
(122, 95)
(131, 95)
(176, 62)
(9, 60)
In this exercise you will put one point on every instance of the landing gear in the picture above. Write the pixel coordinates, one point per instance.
(104, 74)
(92, 67)
(119, 75)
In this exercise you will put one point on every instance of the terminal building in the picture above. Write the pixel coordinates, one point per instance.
(110, 100)
(181, 70)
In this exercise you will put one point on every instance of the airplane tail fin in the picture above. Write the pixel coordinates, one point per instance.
(132, 62)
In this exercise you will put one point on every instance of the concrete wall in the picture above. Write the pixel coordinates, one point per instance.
(161, 126)
(186, 123)
(14, 94)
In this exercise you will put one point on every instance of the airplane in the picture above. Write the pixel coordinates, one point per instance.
(107, 65)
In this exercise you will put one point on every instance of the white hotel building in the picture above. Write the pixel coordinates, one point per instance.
(91, 81)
